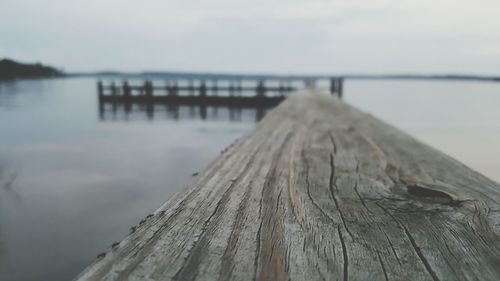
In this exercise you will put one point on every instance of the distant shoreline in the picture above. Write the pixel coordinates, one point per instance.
(222, 76)
(12, 70)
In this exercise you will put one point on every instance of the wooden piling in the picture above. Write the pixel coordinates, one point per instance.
(333, 86)
(260, 90)
(100, 90)
(231, 89)
(203, 89)
(168, 88)
(319, 191)
(340, 87)
(337, 86)
(175, 89)
(281, 87)
(113, 89)
(148, 88)
(239, 87)
(126, 89)
(215, 89)
(191, 87)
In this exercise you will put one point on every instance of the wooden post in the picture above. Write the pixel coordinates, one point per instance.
(203, 89)
(340, 87)
(113, 89)
(168, 88)
(148, 88)
(239, 87)
(100, 91)
(319, 191)
(260, 90)
(126, 89)
(191, 87)
(214, 87)
(281, 88)
(175, 88)
(333, 86)
(231, 88)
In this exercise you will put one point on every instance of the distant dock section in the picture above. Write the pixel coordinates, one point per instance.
(213, 92)
(119, 100)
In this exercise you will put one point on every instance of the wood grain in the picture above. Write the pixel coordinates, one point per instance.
(319, 191)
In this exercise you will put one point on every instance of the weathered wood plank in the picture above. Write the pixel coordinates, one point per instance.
(319, 191)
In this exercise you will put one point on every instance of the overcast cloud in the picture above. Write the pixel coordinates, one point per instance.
(280, 36)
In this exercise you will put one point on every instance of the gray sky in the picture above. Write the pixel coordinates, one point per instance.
(272, 36)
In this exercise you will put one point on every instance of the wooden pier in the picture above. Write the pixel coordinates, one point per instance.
(319, 191)
(232, 92)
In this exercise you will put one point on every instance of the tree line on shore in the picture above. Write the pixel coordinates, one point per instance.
(10, 69)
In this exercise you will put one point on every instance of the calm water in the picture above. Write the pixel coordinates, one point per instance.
(461, 119)
(73, 178)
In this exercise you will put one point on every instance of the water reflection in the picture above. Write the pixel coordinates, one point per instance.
(69, 187)
(7, 184)
(8, 178)
(129, 111)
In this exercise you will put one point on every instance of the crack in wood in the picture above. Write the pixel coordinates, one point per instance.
(420, 254)
(337, 206)
(190, 268)
(308, 187)
(344, 254)
(391, 245)
(257, 252)
(416, 248)
(361, 198)
(383, 266)
(272, 260)
(227, 264)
